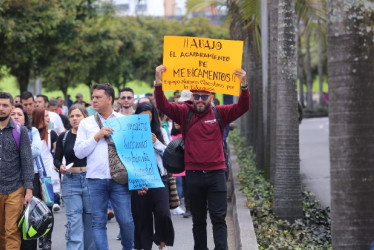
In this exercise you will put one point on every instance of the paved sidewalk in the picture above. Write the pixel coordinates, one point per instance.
(241, 234)
(245, 237)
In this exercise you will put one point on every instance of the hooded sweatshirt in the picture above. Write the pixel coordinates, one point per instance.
(203, 141)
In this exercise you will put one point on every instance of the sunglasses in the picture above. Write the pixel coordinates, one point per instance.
(126, 97)
(196, 97)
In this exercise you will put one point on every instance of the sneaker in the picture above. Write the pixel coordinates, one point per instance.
(56, 207)
(110, 214)
(119, 236)
(187, 214)
(178, 211)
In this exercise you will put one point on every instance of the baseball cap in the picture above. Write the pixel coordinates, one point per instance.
(200, 90)
(79, 95)
(185, 96)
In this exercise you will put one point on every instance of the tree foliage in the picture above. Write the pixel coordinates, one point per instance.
(82, 41)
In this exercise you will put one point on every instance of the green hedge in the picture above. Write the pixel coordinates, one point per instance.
(310, 232)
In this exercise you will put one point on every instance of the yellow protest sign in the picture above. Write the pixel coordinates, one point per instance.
(202, 63)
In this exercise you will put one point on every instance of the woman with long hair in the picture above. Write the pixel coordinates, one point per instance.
(75, 191)
(40, 120)
(155, 203)
(19, 114)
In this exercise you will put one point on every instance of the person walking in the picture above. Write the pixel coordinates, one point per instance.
(152, 209)
(40, 120)
(205, 169)
(91, 143)
(16, 174)
(19, 114)
(75, 192)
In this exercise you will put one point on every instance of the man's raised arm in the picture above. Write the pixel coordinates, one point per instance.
(172, 110)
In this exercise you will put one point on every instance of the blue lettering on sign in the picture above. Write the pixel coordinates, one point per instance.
(133, 139)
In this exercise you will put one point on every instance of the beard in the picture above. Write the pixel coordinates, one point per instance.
(203, 108)
(3, 118)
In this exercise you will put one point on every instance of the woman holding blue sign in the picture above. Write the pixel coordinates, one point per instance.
(155, 203)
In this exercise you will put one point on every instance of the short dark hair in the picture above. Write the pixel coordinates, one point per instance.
(27, 119)
(127, 90)
(27, 95)
(109, 91)
(45, 98)
(6, 95)
(53, 102)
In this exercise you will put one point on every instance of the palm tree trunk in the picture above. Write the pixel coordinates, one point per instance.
(320, 67)
(287, 186)
(351, 79)
(273, 83)
(309, 83)
(300, 68)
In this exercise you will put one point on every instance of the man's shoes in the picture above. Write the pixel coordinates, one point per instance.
(119, 236)
(56, 207)
(178, 211)
(110, 214)
(187, 214)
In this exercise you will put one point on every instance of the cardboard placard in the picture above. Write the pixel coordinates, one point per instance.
(196, 63)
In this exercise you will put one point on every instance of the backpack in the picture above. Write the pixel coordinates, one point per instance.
(173, 157)
(16, 131)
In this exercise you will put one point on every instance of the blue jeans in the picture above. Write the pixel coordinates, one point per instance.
(103, 190)
(77, 201)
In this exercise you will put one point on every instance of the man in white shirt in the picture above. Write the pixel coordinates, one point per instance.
(42, 101)
(91, 143)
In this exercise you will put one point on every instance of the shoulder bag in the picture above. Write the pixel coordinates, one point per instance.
(117, 169)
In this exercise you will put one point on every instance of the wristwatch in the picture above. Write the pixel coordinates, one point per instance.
(244, 87)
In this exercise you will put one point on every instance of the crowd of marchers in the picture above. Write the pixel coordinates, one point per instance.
(42, 137)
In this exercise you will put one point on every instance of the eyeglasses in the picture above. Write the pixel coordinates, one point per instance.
(126, 97)
(196, 97)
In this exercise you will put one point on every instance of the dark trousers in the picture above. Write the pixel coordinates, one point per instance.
(187, 202)
(33, 244)
(154, 204)
(207, 191)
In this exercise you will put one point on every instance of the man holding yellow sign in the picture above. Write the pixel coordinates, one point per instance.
(203, 133)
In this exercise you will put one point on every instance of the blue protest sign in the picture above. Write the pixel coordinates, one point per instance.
(133, 139)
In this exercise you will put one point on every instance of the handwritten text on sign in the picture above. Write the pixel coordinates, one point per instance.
(133, 139)
(202, 63)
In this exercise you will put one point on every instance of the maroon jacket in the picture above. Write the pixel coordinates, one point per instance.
(203, 143)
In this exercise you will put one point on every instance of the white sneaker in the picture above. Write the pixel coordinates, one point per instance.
(56, 207)
(178, 211)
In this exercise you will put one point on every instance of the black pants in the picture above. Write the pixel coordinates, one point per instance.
(33, 244)
(155, 204)
(187, 202)
(207, 191)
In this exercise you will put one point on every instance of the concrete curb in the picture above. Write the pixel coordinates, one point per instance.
(245, 237)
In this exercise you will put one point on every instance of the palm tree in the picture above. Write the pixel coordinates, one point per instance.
(350, 53)
(287, 186)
